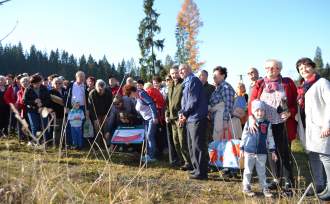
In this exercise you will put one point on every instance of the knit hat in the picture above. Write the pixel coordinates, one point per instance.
(257, 104)
(74, 100)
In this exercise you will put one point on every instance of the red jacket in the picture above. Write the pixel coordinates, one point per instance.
(10, 96)
(116, 89)
(291, 94)
(19, 103)
(157, 97)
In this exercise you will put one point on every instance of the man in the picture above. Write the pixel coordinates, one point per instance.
(193, 113)
(77, 91)
(173, 105)
(99, 102)
(90, 81)
(208, 88)
(253, 76)
(114, 85)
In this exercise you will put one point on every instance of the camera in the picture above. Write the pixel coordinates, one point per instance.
(283, 107)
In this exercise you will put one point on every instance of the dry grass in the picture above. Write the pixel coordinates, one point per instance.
(28, 175)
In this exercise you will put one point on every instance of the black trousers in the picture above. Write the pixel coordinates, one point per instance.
(283, 166)
(197, 145)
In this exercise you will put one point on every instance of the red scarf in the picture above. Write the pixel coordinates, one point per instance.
(272, 85)
(303, 88)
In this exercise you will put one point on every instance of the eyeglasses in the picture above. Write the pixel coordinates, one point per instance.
(250, 73)
(168, 79)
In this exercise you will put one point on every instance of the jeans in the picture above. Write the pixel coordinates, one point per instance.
(38, 123)
(318, 172)
(150, 131)
(259, 161)
(77, 137)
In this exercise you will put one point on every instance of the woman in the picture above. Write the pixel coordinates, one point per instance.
(35, 98)
(314, 105)
(24, 82)
(4, 108)
(240, 104)
(58, 98)
(279, 94)
(147, 109)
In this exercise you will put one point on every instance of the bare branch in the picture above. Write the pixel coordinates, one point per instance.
(12, 30)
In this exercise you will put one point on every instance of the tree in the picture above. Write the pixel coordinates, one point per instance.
(187, 29)
(318, 58)
(146, 37)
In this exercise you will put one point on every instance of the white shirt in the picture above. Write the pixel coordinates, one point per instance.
(78, 93)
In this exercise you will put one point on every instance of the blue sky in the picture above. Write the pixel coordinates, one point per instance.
(236, 34)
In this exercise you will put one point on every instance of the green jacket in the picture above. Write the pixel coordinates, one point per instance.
(173, 100)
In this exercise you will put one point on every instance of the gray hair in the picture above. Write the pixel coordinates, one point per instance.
(56, 79)
(2, 77)
(80, 73)
(277, 62)
(99, 82)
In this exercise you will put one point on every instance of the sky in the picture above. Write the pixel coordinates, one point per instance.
(235, 34)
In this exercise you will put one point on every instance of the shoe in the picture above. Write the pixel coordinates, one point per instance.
(273, 185)
(192, 172)
(186, 167)
(248, 192)
(198, 177)
(147, 159)
(267, 193)
(325, 195)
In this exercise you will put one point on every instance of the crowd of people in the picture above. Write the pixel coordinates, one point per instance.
(182, 115)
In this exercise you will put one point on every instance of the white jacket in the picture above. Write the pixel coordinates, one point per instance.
(317, 109)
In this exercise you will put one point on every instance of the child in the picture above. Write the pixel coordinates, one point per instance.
(254, 148)
(76, 117)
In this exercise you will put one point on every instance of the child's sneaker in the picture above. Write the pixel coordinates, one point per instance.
(247, 191)
(267, 193)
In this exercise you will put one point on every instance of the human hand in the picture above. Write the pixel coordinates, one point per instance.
(167, 120)
(241, 154)
(285, 115)
(274, 156)
(253, 128)
(325, 132)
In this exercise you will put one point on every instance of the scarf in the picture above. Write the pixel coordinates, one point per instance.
(272, 85)
(303, 88)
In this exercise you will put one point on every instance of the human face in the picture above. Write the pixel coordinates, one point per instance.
(76, 105)
(36, 85)
(25, 83)
(2, 81)
(259, 113)
(139, 86)
(203, 77)
(184, 71)
(58, 84)
(113, 82)
(306, 71)
(100, 88)
(175, 74)
(156, 84)
(218, 77)
(90, 83)
(253, 75)
(168, 81)
(272, 70)
(80, 78)
(9, 80)
(241, 87)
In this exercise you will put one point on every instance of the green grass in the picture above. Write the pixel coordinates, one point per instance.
(28, 175)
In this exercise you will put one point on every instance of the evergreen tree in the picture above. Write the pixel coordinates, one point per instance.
(318, 58)
(147, 42)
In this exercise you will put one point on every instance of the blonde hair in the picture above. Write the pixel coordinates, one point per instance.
(56, 79)
(148, 85)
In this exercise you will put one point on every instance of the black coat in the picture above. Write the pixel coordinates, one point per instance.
(30, 96)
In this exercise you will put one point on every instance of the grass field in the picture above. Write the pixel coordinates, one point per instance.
(29, 175)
